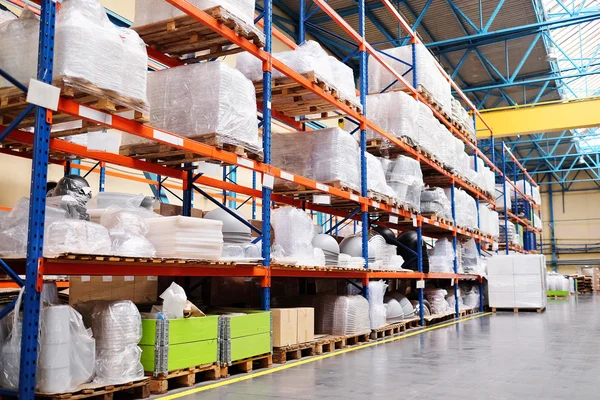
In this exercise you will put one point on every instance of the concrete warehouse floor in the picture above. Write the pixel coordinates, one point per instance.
(554, 355)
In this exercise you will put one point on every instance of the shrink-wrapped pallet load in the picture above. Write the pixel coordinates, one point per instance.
(465, 208)
(294, 232)
(376, 182)
(435, 201)
(342, 315)
(441, 257)
(405, 177)
(203, 100)
(428, 75)
(464, 119)
(327, 155)
(90, 55)
(530, 191)
(6, 15)
(149, 11)
(395, 113)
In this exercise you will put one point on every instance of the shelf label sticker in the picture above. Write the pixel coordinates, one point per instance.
(128, 278)
(375, 204)
(426, 220)
(453, 282)
(353, 197)
(321, 199)
(43, 94)
(268, 181)
(420, 284)
(107, 278)
(244, 162)
(323, 188)
(269, 105)
(393, 219)
(85, 278)
(414, 218)
(167, 137)
(152, 278)
(436, 223)
(95, 115)
(395, 210)
(286, 176)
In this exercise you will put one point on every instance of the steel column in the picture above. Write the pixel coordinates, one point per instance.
(37, 206)
(102, 176)
(420, 269)
(364, 90)
(551, 223)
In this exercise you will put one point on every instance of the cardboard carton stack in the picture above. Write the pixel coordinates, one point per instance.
(293, 326)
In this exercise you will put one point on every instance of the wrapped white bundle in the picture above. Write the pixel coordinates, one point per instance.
(435, 201)
(350, 315)
(406, 179)
(6, 16)
(148, 11)
(202, 99)
(127, 228)
(437, 301)
(117, 327)
(441, 257)
(19, 47)
(465, 208)
(76, 236)
(395, 113)
(531, 191)
(426, 128)
(377, 310)
(325, 155)
(186, 237)
(428, 74)
(294, 232)
(376, 177)
(343, 78)
(461, 115)
(89, 49)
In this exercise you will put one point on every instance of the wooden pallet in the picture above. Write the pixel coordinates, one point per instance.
(165, 154)
(185, 39)
(412, 323)
(328, 343)
(287, 188)
(139, 389)
(519, 309)
(293, 352)
(467, 312)
(13, 102)
(434, 217)
(353, 340)
(437, 318)
(246, 365)
(388, 330)
(292, 99)
(184, 378)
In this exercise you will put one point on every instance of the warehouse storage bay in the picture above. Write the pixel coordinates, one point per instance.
(290, 199)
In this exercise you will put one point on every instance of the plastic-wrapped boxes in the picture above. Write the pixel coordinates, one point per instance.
(428, 75)
(526, 188)
(202, 100)
(342, 315)
(90, 53)
(148, 11)
(171, 344)
(465, 208)
(501, 198)
(460, 115)
(326, 155)
(395, 113)
(294, 232)
(376, 181)
(488, 220)
(435, 201)
(517, 281)
(404, 176)
(441, 257)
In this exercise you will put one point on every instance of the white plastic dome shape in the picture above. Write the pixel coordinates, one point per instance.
(393, 309)
(230, 223)
(407, 308)
(326, 243)
(352, 245)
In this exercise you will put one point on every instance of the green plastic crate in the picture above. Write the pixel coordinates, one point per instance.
(244, 336)
(169, 345)
(558, 293)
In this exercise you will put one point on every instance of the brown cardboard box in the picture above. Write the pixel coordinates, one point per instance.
(285, 326)
(139, 289)
(257, 223)
(306, 324)
(171, 210)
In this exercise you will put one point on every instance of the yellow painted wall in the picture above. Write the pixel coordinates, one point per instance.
(578, 222)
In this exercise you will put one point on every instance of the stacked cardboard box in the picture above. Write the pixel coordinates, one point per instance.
(138, 289)
(168, 345)
(293, 326)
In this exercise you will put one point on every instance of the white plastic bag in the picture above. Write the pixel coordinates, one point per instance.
(174, 299)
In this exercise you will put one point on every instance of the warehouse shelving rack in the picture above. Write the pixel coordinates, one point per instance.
(36, 265)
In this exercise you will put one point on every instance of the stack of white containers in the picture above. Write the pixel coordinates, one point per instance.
(186, 237)
(488, 220)
(460, 115)
(428, 75)
(405, 177)
(465, 208)
(54, 365)
(517, 281)
(528, 190)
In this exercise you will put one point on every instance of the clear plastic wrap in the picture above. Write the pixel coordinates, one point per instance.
(130, 220)
(437, 301)
(465, 208)
(500, 197)
(470, 298)
(428, 75)
(294, 232)
(6, 15)
(203, 99)
(441, 257)
(406, 179)
(376, 181)
(460, 115)
(395, 113)
(174, 299)
(10, 351)
(434, 201)
(427, 132)
(117, 327)
(326, 155)
(343, 78)
(149, 11)
(186, 237)
(19, 47)
(87, 42)
(512, 234)
(343, 315)
(377, 310)
(76, 236)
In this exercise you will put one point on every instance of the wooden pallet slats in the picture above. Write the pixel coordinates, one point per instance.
(139, 389)
(247, 365)
(184, 378)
